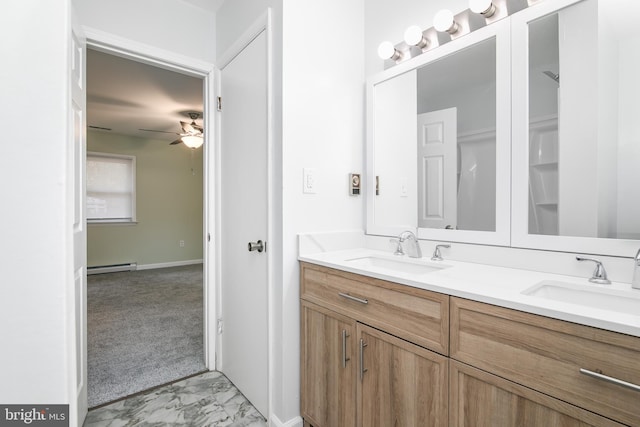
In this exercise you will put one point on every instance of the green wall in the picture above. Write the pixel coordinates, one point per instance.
(169, 204)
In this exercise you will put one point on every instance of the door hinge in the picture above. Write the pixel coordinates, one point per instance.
(219, 103)
(208, 237)
(220, 324)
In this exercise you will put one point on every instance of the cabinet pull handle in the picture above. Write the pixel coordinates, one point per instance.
(345, 359)
(362, 369)
(352, 298)
(609, 379)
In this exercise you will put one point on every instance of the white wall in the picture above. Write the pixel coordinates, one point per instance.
(323, 122)
(34, 224)
(171, 25)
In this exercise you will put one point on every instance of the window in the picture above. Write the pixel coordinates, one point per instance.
(111, 188)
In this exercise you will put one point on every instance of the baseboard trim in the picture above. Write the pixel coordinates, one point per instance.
(294, 422)
(169, 264)
(114, 268)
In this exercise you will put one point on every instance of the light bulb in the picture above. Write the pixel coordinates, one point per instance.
(485, 8)
(192, 141)
(413, 37)
(444, 22)
(387, 50)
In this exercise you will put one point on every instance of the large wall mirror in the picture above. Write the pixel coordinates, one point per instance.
(438, 147)
(576, 142)
(524, 133)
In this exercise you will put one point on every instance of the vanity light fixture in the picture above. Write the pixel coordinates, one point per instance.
(413, 36)
(444, 22)
(485, 8)
(387, 50)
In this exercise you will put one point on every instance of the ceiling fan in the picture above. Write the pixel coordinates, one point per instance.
(192, 133)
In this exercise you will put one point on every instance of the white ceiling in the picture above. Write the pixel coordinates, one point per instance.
(210, 5)
(126, 96)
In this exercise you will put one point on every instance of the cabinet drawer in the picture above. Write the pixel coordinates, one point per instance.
(418, 316)
(479, 399)
(547, 355)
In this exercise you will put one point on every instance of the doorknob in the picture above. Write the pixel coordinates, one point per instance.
(259, 246)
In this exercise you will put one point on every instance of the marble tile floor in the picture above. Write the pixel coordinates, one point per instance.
(207, 399)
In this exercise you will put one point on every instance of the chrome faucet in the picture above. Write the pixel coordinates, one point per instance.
(437, 256)
(413, 249)
(599, 274)
(635, 283)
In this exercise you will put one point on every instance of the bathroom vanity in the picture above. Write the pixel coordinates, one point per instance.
(377, 352)
(468, 142)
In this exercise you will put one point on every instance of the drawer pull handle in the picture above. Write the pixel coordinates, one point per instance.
(345, 359)
(362, 369)
(352, 298)
(609, 379)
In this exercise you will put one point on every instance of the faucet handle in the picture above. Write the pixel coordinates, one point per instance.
(437, 256)
(599, 274)
(399, 250)
(635, 280)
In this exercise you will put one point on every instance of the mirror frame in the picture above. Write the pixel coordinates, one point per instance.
(520, 151)
(500, 31)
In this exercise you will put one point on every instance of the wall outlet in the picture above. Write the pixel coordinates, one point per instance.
(181, 243)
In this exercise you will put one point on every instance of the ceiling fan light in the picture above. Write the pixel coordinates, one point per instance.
(193, 141)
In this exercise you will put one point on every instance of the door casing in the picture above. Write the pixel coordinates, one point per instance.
(107, 43)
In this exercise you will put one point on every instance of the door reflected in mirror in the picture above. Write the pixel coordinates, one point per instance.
(584, 127)
(456, 112)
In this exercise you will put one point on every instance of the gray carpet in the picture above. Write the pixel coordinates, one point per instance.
(144, 329)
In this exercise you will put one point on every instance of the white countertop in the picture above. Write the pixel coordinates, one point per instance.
(493, 285)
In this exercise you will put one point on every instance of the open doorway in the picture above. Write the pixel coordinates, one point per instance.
(145, 313)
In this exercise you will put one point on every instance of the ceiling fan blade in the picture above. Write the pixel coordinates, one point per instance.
(187, 128)
(176, 142)
(161, 131)
(191, 128)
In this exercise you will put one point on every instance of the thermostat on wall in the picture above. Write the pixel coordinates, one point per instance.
(354, 184)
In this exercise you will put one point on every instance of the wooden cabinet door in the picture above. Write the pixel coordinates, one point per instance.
(480, 399)
(399, 383)
(328, 367)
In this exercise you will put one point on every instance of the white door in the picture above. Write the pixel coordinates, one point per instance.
(437, 169)
(244, 209)
(76, 153)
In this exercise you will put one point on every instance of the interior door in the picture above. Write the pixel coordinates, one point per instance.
(244, 210)
(76, 156)
(438, 169)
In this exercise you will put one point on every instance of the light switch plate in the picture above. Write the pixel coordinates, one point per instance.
(404, 186)
(309, 181)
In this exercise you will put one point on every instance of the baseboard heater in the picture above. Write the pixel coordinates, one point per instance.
(99, 269)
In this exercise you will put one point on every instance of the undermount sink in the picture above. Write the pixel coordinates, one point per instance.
(621, 301)
(397, 265)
